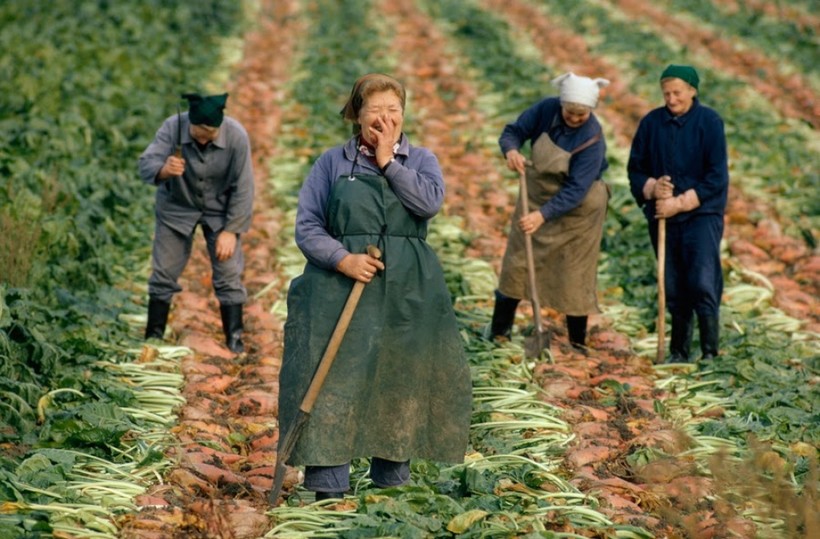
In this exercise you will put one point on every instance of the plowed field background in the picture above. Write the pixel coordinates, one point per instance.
(605, 445)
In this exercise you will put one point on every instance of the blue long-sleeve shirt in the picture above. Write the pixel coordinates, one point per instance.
(584, 167)
(690, 148)
(414, 176)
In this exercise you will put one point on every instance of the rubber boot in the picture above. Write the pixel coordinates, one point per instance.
(503, 317)
(681, 338)
(577, 329)
(232, 326)
(157, 318)
(709, 327)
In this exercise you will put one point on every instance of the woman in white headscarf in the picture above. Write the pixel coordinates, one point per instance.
(565, 211)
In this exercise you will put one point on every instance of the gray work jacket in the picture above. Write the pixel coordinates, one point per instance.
(217, 185)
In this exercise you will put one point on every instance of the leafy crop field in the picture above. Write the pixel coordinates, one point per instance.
(103, 437)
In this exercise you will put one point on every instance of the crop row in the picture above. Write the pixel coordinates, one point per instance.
(83, 86)
(501, 456)
(87, 97)
(757, 338)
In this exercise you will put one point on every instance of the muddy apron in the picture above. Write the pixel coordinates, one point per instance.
(400, 386)
(565, 249)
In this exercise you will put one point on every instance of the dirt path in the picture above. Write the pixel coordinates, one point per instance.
(226, 433)
(777, 10)
(790, 93)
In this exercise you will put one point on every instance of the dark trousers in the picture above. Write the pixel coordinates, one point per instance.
(384, 473)
(694, 278)
(170, 256)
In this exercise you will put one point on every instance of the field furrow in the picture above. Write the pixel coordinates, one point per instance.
(104, 435)
(792, 12)
(227, 435)
(790, 93)
(442, 102)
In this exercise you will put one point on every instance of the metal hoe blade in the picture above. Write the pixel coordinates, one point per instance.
(535, 344)
(282, 456)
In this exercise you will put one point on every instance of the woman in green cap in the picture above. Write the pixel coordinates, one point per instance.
(678, 171)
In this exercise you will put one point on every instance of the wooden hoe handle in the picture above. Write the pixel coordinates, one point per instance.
(536, 303)
(661, 290)
(335, 340)
(288, 442)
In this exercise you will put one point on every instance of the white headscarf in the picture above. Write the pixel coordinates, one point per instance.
(580, 90)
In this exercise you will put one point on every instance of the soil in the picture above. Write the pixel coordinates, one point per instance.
(226, 442)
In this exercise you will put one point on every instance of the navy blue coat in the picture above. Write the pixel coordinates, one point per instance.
(691, 149)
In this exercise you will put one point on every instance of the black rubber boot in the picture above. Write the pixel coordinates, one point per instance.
(503, 317)
(709, 327)
(232, 326)
(577, 329)
(681, 338)
(157, 318)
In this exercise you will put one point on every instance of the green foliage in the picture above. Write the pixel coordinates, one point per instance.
(770, 380)
(83, 87)
(88, 426)
(33, 525)
(788, 41)
(487, 42)
(54, 348)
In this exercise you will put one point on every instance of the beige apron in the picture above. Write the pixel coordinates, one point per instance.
(565, 249)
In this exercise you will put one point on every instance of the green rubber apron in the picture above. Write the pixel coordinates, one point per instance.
(400, 386)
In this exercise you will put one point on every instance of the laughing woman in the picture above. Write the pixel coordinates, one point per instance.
(399, 387)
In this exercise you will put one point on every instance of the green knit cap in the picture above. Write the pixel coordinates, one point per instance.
(206, 110)
(684, 73)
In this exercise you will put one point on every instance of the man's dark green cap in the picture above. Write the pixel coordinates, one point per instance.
(206, 110)
(684, 73)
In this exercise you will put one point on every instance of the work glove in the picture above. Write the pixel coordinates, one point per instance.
(669, 207)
